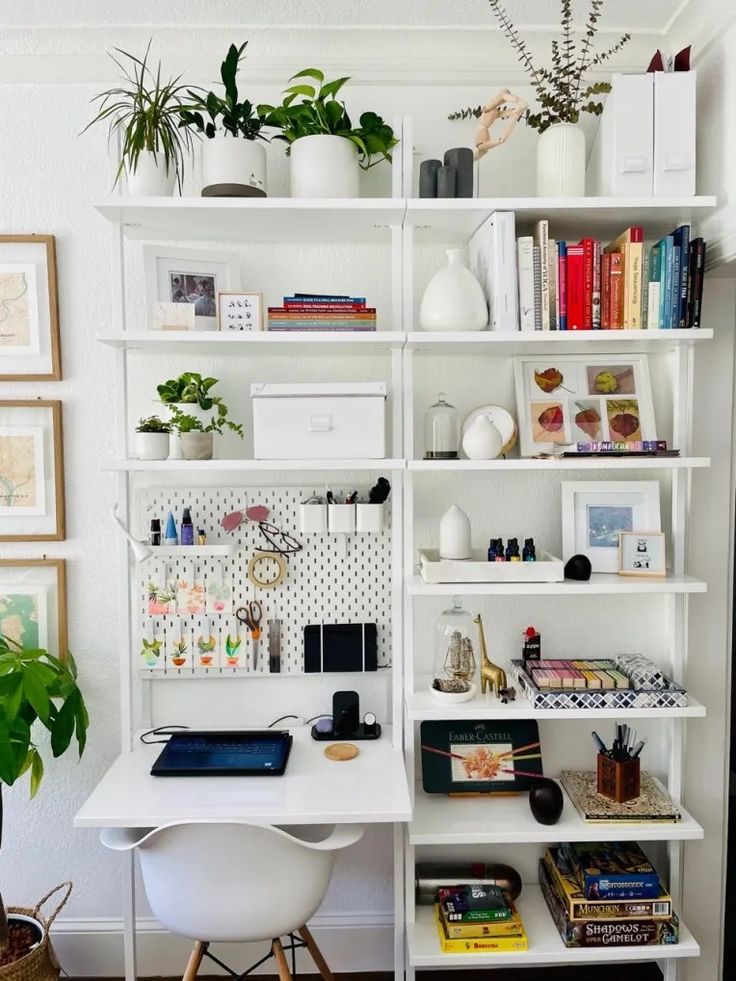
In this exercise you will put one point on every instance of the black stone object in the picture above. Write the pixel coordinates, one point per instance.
(578, 567)
(546, 801)
(428, 178)
(446, 182)
(461, 158)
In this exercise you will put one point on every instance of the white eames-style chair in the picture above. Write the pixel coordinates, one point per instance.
(237, 883)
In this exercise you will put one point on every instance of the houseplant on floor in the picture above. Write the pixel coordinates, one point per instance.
(326, 149)
(152, 439)
(35, 687)
(145, 111)
(197, 437)
(233, 156)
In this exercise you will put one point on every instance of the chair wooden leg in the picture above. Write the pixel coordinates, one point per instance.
(280, 957)
(195, 960)
(315, 953)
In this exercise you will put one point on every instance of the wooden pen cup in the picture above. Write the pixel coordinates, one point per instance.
(619, 781)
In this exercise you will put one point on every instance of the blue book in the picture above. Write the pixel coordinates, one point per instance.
(665, 299)
(681, 240)
(311, 298)
(562, 285)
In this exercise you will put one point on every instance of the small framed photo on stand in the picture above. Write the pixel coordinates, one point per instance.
(240, 311)
(642, 553)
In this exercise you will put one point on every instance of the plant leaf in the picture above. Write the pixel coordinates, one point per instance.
(63, 729)
(314, 73)
(36, 772)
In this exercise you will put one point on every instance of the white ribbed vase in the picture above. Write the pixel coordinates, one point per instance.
(561, 162)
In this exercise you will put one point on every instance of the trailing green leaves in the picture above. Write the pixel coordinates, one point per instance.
(211, 114)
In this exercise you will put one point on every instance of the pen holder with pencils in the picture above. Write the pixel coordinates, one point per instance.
(619, 780)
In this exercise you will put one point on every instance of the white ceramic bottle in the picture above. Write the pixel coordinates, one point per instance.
(482, 440)
(453, 299)
(455, 534)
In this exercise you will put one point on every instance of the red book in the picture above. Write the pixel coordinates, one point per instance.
(596, 301)
(587, 244)
(575, 287)
(606, 291)
(293, 305)
(562, 285)
(616, 287)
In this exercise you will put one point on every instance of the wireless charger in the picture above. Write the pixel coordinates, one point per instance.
(344, 723)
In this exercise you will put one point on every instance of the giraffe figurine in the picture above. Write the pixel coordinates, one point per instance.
(490, 674)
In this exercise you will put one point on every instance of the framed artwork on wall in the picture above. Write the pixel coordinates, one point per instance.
(596, 513)
(31, 471)
(189, 276)
(564, 400)
(240, 311)
(30, 348)
(33, 603)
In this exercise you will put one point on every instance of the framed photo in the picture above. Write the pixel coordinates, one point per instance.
(642, 553)
(189, 276)
(33, 603)
(240, 311)
(596, 513)
(30, 348)
(31, 471)
(576, 398)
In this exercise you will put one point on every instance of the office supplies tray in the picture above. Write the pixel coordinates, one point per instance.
(673, 696)
(547, 568)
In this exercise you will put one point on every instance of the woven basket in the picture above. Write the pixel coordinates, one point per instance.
(40, 964)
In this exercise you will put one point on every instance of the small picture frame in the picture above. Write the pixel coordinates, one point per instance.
(189, 276)
(642, 553)
(240, 312)
(33, 604)
(172, 316)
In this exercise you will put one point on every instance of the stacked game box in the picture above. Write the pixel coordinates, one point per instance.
(478, 919)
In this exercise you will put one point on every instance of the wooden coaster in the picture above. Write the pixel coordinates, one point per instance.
(341, 752)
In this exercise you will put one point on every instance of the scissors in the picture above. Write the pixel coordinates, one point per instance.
(251, 615)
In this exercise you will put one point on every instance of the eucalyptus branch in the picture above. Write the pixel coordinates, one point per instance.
(513, 37)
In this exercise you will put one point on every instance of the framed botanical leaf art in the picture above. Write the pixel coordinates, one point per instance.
(33, 604)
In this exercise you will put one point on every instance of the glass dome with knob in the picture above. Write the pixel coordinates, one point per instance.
(454, 655)
(441, 431)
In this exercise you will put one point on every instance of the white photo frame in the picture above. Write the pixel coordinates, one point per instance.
(595, 513)
(239, 312)
(562, 400)
(189, 276)
(30, 348)
(642, 553)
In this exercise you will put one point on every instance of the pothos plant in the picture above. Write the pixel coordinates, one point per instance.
(211, 113)
(191, 388)
(182, 422)
(562, 93)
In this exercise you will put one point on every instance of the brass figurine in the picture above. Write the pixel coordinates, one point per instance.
(490, 673)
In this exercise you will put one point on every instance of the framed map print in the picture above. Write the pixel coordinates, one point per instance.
(29, 310)
(33, 604)
(31, 471)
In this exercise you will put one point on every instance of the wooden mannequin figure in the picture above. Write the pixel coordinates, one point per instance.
(506, 107)
(490, 674)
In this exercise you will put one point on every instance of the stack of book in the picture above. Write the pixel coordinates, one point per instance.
(478, 919)
(326, 312)
(606, 895)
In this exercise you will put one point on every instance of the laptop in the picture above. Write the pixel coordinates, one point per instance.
(224, 754)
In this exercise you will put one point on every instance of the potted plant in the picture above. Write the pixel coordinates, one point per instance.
(146, 110)
(326, 150)
(197, 437)
(152, 439)
(36, 690)
(233, 159)
(189, 392)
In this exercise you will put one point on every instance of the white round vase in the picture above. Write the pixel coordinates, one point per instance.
(151, 178)
(324, 166)
(482, 440)
(233, 168)
(152, 446)
(453, 299)
(561, 162)
(455, 534)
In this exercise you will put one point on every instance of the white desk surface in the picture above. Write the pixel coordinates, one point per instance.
(372, 788)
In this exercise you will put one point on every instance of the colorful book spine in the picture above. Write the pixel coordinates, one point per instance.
(537, 269)
(645, 289)
(605, 291)
(562, 285)
(525, 264)
(575, 287)
(317, 298)
(541, 239)
(665, 302)
(596, 298)
(681, 243)
(634, 277)
(616, 287)
(553, 286)
(697, 269)
(653, 288)
(322, 328)
(587, 244)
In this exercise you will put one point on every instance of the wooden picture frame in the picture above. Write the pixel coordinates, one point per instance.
(35, 356)
(42, 576)
(642, 553)
(34, 452)
(247, 318)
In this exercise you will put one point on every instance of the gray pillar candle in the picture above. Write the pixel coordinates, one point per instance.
(428, 178)
(461, 158)
(446, 177)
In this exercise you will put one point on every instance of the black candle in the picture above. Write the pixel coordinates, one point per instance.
(428, 178)
(461, 158)
(446, 178)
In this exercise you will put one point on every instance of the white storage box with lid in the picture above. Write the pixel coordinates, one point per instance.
(326, 421)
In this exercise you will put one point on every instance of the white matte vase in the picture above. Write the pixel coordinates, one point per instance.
(455, 534)
(561, 162)
(151, 178)
(324, 166)
(453, 299)
(482, 440)
(233, 167)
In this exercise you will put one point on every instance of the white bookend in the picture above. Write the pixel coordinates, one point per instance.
(621, 161)
(674, 133)
(541, 238)
(493, 260)
(525, 266)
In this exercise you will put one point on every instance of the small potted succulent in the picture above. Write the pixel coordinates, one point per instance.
(233, 156)
(325, 148)
(197, 437)
(152, 439)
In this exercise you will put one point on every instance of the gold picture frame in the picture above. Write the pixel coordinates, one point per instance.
(55, 613)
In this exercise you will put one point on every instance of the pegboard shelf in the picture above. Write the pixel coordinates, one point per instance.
(194, 551)
(249, 466)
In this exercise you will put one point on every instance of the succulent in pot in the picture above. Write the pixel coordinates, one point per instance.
(197, 437)
(152, 438)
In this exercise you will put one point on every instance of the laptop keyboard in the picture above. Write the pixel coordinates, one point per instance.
(231, 747)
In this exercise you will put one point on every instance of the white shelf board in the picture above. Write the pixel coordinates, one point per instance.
(568, 463)
(422, 705)
(216, 548)
(545, 945)
(500, 819)
(457, 218)
(252, 466)
(543, 342)
(279, 220)
(262, 342)
(599, 583)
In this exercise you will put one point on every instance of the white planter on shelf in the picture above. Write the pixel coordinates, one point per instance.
(324, 166)
(453, 299)
(151, 177)
(190, 409)
(197, 446)
(561, 162)
(152, 446)
(233, 168)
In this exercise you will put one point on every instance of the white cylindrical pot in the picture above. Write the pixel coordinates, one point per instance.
(482, 440)
(455, 534)
(190, 409)
(561, 162)
(197, 446)
(453, 299)
(233, 168)
(152, 446)
(151, 178)
(324, 166)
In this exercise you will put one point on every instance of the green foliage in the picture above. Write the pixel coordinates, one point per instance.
(314, 109)
(182, 422)
(146, 111)
(189, 387)
(153, 425)
(210, 113)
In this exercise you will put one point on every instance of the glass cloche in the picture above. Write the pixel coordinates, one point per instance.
(454, 651)
(441, 431)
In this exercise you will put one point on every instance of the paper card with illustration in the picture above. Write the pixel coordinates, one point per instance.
(642, 554)
(570, 399)
(240, 311)
(151, 651)
(219, 593)
(234, 644)
(172, 316)
(206, 645)
(190, 592)
(29, 321)
(33, 603)
(179, 645)
(161, 591)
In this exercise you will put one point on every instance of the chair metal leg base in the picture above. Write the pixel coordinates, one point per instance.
(277, 951)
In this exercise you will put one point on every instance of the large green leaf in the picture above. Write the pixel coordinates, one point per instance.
(36, 772)
(314, 73)
(63, 729)
(37, 696)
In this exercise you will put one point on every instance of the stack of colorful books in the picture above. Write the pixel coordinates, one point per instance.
(326, 312)
(478, 919)
(606, 895)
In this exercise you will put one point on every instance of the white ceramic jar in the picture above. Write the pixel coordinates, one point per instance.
(324, 166)
(453, 299)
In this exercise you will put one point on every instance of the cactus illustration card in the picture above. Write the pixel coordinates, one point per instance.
(190, 593)
(151, 652)
(161, 594)
(234, 645)
(219, 595)
(206, 646)
(179, 647)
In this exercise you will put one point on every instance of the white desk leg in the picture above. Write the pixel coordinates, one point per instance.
(129, 951)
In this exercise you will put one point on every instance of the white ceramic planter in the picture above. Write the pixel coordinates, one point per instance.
(152, 446)
(561, 162)
(324, 166)
(151, 177)
(197, 446)
(204, 416)
(453, 299)
(233, 167)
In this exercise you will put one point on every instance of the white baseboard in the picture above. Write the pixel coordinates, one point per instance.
(94, 947)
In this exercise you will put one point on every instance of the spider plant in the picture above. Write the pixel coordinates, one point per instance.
(146, 111)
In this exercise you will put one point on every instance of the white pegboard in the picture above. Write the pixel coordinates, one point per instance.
(324, 582)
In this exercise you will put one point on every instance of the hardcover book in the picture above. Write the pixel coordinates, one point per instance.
(541, 239)
(525, 263)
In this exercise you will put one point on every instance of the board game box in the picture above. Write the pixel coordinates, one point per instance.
(611, 870)
(473, 904)
(478, 945)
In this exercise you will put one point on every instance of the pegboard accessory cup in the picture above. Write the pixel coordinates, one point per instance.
(313, 519)
(369, 518)
(341, 519)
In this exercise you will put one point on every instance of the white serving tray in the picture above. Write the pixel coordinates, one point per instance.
(547, 568)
